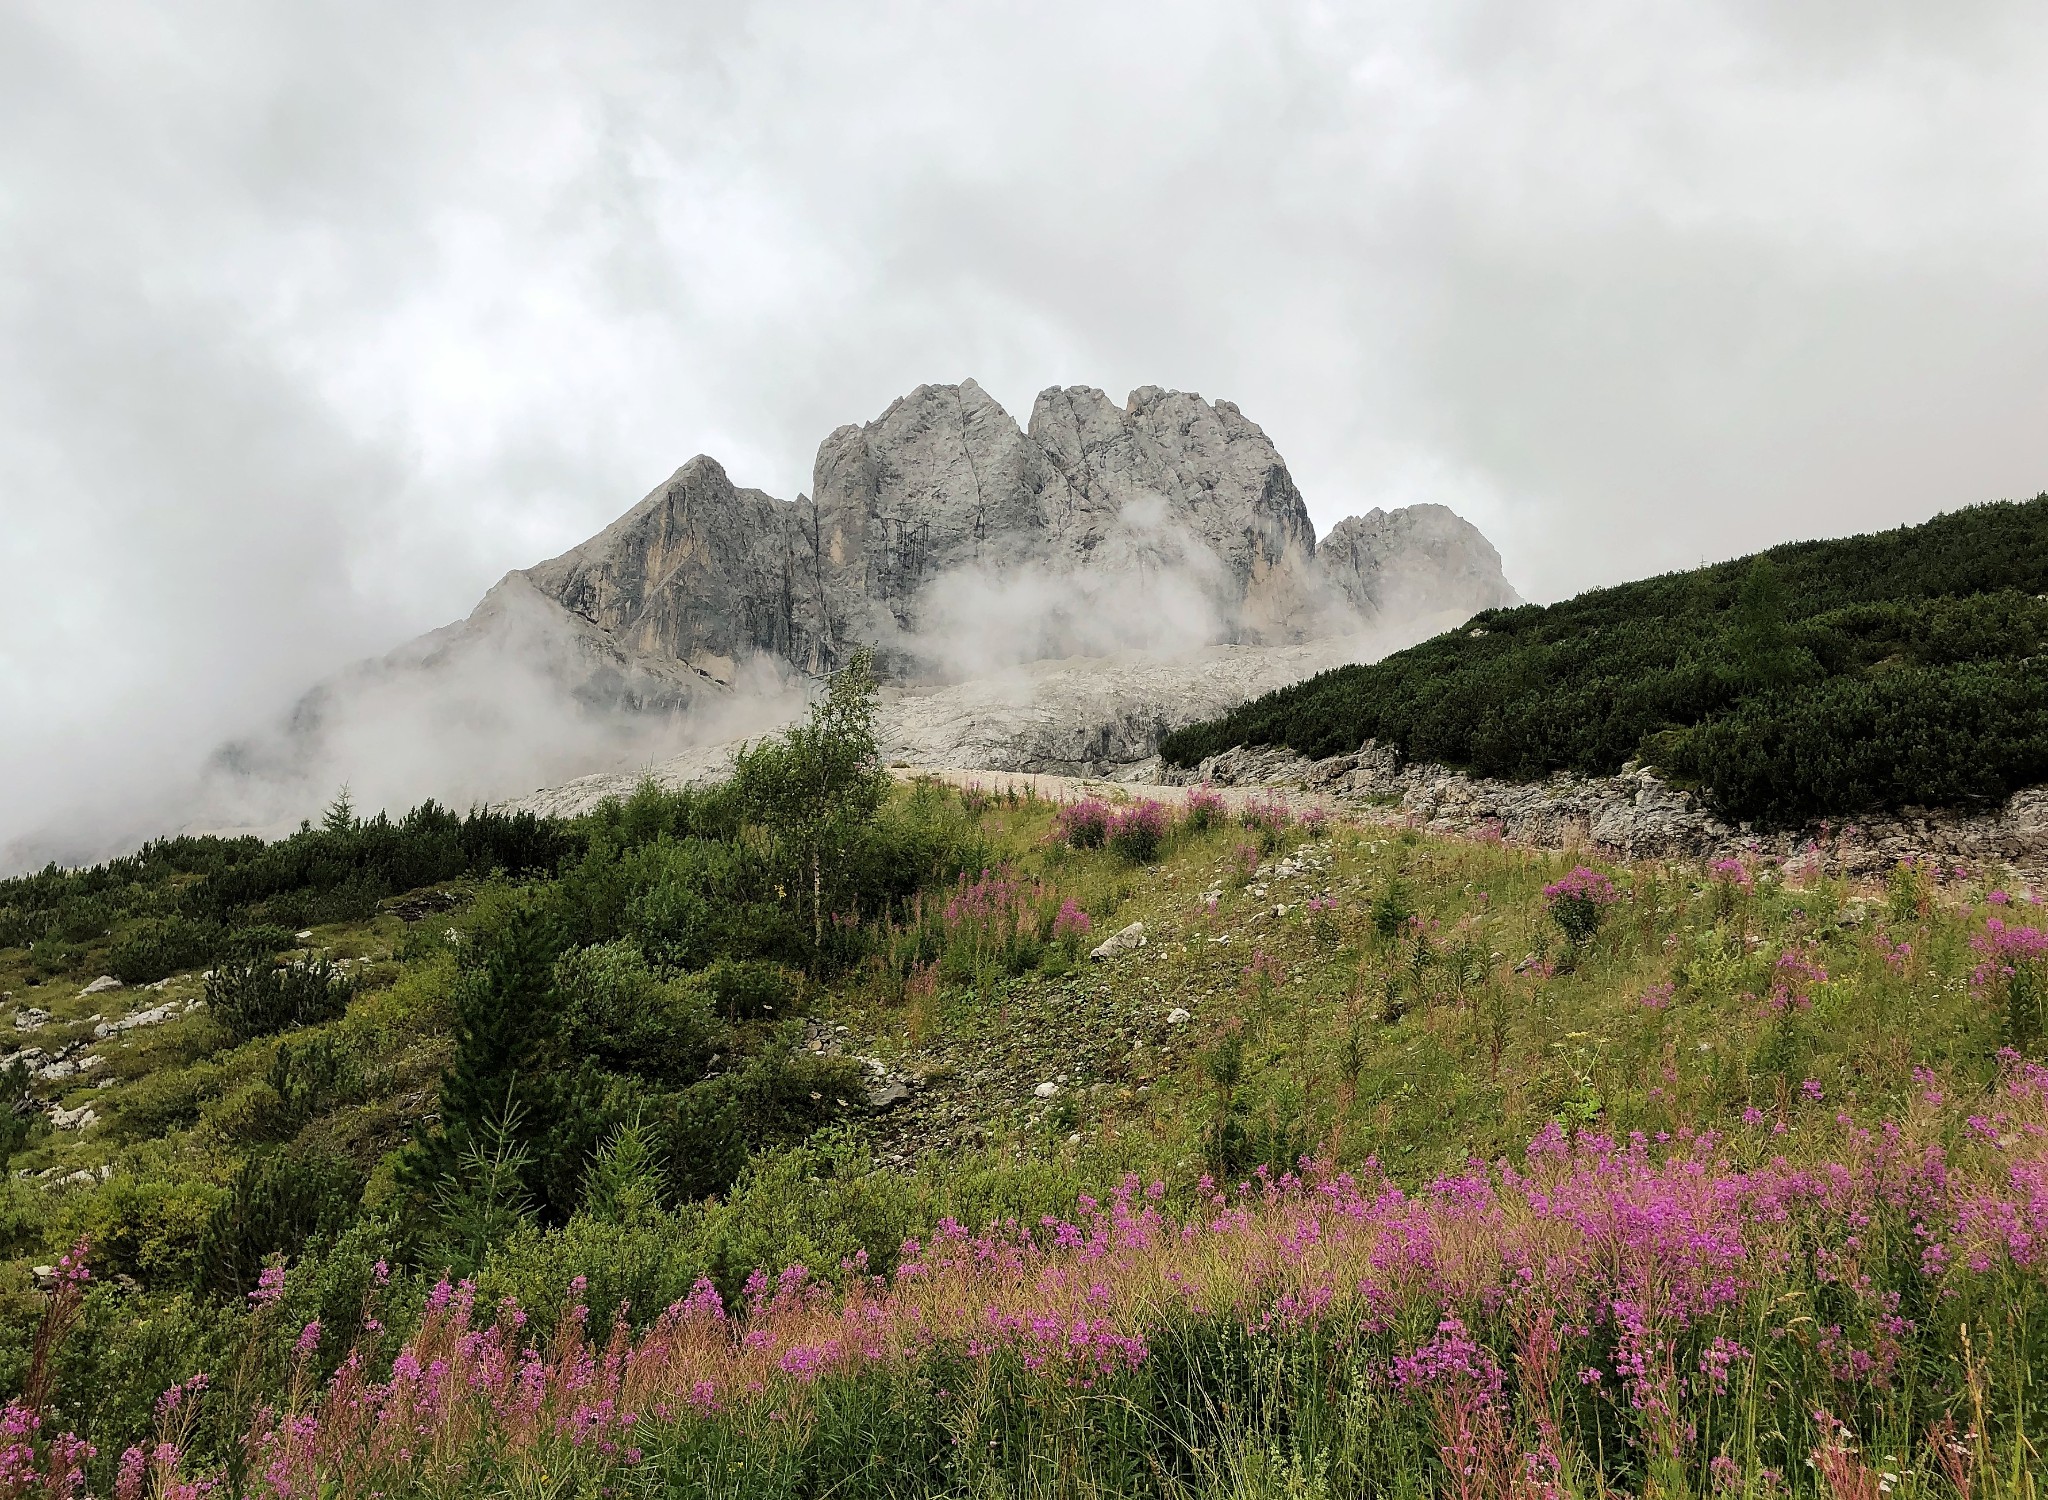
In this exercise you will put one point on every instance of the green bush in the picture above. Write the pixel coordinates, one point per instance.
(742, 990)
(20, 1117)
(630, 1021)
(148, 1227)
(164, 1101)
(786, 1094)
(254, 997)
(162, 946)
(303, 1082)
(275, 1204)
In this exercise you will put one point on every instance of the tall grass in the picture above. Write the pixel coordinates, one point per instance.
(1805, 1305)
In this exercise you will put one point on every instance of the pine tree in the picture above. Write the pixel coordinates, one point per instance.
(508, 1021)
(624, 1183)
(508, 1067)
(341, 813)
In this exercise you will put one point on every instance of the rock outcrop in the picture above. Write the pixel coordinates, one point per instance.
(1416, 558)
(1634, 814)
(952, 540)
(959, 545)
(700, 572)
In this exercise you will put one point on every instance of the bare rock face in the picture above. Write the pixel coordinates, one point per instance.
(942, 518)
(699, 572)
(956, 543)
(1419, 557)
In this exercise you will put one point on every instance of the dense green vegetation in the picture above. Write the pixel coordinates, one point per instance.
(1816, 679)
(591, 1088)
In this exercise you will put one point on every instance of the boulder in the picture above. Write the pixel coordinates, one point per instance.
(1130, 938)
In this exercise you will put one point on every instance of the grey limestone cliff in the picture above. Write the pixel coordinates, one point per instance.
(1419, 557)
(1168, 513)
(953, 541)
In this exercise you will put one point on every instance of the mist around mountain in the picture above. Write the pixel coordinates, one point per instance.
(958, 545)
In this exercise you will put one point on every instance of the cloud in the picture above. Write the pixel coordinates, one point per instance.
(314, 320)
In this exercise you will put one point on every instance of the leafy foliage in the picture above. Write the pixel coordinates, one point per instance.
(813, 788)
(1818, 678)
(18, 1115)
(254, 997)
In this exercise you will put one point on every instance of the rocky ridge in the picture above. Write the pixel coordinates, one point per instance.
(949, 538)
(957, 544)
(1635, 814)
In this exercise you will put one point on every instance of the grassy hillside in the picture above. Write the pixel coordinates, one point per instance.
(1816, 679)
(1652, 1180)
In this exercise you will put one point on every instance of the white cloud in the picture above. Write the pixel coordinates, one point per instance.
(315, 319)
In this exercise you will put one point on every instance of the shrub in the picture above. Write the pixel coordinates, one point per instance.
(1578, 902)
(275, 1204)
(20, 1118)
(159, 947)
(254, 997)
(149, 1227)
(629, 1020)
(786, 1094)
(1083, 824)
(1203, 810)
(749, 991)
(1136, 832)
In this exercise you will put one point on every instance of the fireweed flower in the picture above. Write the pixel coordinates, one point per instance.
(1578, 901)
(1071, 921)
(1733, 874)
(1202, 809)
(1651, 1260)
(1270, 816)
(1083, 824)
(1137, 831)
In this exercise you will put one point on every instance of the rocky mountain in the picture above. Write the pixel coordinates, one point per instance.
(953, 541)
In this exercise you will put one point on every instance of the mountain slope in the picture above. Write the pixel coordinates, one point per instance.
(943, 534)
(952, 540)
(1815, 679)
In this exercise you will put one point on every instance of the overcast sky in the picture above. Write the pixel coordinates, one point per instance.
(315, 318)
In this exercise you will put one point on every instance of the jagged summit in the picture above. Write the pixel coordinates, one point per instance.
(1168, 521)
(943, 534)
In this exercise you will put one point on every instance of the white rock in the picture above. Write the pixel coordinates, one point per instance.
(74, 1119)
(101, 985)
(1047, 1089)
(31, 1019)
(1131, 937)
(156, 1015)
(1178, 1016)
